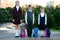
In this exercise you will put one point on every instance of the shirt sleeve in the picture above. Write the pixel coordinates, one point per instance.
(45, 19)
(39, 19)
(33, 18)
(26, 17)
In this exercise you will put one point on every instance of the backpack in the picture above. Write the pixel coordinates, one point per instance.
(23, 33)
(35, 32)
(48, 33)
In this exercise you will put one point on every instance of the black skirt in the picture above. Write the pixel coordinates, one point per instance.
(42, 27)
(16, 22)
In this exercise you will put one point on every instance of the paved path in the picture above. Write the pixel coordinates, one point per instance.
(8, 34)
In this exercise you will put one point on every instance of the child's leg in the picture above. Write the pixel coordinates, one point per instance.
(29, 30)
(17, 30)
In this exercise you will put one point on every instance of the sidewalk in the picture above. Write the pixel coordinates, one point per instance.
(8, 34)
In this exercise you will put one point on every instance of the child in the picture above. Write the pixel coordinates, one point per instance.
(42, 21)
(29, 19)
(17, 18)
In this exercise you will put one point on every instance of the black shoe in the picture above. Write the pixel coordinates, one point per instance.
(41, 36)
(29, 36)
(16, 36)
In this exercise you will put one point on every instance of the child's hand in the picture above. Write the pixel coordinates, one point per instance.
(26, 23)
(20, 20)
(38, 24)
(33, 23)
(13, 20)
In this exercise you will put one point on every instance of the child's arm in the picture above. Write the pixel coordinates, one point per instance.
(26, 17)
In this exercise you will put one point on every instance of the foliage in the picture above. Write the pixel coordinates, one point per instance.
(53, 16)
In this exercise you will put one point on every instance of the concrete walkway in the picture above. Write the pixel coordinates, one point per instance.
(8, 34)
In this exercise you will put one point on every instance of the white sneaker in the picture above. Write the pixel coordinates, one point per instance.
(17, 33)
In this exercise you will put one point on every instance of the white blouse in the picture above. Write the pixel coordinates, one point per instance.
(42, 14)
(17, 7)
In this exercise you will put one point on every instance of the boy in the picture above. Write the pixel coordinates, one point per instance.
(29, 19)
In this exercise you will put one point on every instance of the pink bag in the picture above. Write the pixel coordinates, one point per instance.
(23, 33)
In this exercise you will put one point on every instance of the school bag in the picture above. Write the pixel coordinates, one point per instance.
(48, 33)
(35, 32)
(23, 33)
(23, 30)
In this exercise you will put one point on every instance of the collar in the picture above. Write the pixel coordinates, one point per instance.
(30, 10)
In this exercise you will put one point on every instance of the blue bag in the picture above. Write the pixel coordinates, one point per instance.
(35, 32)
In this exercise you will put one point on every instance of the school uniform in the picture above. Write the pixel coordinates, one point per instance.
(17, 16)
(42, 21)
(29, 18)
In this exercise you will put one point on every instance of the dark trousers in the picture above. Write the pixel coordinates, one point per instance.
(29, 29)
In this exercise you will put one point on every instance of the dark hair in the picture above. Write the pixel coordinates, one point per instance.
(29, 5)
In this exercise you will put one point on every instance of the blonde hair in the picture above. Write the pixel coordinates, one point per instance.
(42, 8)
(16, 1)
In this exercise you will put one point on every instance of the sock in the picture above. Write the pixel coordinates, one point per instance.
(19, 32)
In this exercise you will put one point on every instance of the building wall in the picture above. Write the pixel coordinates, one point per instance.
(52, 3)
(11, 3)
(0, 3)
(56, 3)
(6, 3)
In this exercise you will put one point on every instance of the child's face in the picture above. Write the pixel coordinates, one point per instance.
(30, 8)
(17, 3)
(42, 10)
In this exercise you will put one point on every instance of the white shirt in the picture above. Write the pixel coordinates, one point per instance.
(42, 14)
(17, 7)
(30, 10)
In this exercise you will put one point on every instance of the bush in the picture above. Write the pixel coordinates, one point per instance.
(53, 16)
(5, 15)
